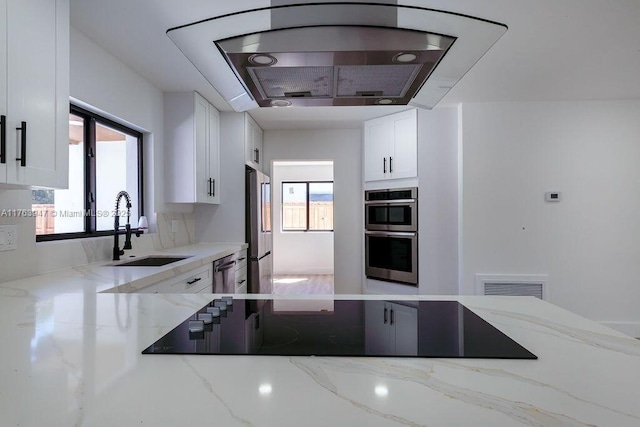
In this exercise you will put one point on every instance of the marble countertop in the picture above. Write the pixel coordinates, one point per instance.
(72, 356)
(103, 275)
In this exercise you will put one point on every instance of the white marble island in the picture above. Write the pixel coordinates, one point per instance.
(75, 359)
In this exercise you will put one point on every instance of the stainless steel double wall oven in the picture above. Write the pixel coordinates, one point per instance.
(391, 235)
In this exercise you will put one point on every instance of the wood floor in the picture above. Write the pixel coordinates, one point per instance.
(303, 284)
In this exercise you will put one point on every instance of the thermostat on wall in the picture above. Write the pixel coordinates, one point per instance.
(552, 196)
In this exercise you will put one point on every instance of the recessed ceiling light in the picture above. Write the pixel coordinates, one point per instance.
(262, 59)
(405, 57)
(280, 103)
(384, 101)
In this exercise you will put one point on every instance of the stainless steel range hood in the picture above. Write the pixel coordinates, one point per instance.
(334, 65)
(335, 54)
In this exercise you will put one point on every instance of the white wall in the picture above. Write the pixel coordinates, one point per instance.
(344, 148)
(589, 243)
(299, 252)
(438, 201)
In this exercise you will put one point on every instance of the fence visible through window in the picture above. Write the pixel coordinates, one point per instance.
(307, 206)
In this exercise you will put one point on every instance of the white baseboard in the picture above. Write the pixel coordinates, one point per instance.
(629, 328)
(310, 271)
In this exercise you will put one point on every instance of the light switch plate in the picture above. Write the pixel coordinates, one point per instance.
(8, 237)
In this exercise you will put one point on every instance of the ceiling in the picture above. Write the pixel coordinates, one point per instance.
(553, 50)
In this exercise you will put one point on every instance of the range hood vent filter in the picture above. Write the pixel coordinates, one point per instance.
(386, 80)
(276, 82)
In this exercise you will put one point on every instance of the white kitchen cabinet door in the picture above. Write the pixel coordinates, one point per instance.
(252, 143)
(257, 145)
(192, 149)
(37, 66)
(391, 147)
(403, 160)
(376, 328)
(201, 117)
(404, 329)
(213, 155)
(3, 91)
(391, 329)
(377, 139)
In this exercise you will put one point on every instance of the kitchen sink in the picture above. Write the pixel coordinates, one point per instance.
(151, 261)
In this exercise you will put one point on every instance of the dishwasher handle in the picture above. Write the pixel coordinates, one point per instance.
(225, 266)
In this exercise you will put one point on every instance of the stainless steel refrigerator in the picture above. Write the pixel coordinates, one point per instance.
(259, 232)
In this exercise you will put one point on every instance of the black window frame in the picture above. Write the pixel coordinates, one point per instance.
(307, 230)
(90, 195)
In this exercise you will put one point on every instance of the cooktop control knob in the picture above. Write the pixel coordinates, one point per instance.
(220, 304)
(228, 300)
(214, 311)
(207, 318)
(196, 326)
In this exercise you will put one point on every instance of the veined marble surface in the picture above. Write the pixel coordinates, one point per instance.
(72, 357)
(104, 276)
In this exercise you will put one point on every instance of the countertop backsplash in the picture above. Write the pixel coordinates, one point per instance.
(31, 258)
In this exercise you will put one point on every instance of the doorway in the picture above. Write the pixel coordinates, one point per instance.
(303, 227)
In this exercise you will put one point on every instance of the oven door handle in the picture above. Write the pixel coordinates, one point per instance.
(390, 202)
(391, 233)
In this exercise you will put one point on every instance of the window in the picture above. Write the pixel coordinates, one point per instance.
(104, 158)
(307, 206)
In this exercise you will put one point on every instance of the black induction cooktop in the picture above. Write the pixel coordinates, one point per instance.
(354, 328)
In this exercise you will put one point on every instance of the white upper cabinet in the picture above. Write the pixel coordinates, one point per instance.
(34, 93)
(391, 147)
(252, 143)
(3, 91)
(192, 149)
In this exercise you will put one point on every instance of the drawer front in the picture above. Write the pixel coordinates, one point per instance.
(241, 281)
(195, 282)
(241, 260)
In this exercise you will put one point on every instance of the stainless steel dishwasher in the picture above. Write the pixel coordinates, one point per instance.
(224, 276)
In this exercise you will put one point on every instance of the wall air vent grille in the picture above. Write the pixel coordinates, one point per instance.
(535, 285)
(387, 80)
(514, 289)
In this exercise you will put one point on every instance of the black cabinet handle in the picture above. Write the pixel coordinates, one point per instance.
(213, 187)
(256, 155)
(390, 164)
(385, 315)
(384, 165)
(23, 144)
(3, 139)
(197, 279)
(391, 322)
(241, 282)
(208, 186)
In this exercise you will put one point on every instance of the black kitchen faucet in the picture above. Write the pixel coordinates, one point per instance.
(116, 227)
